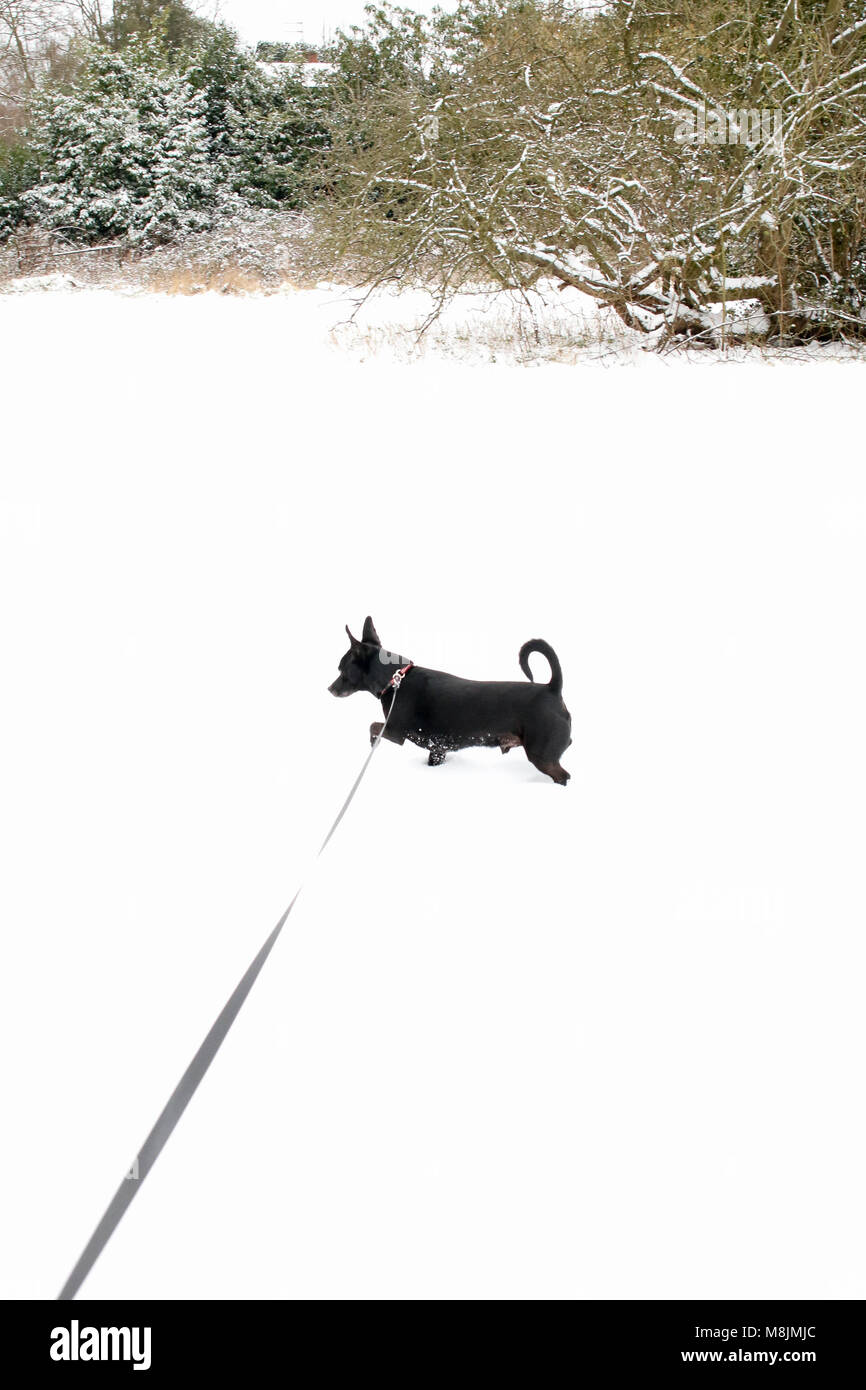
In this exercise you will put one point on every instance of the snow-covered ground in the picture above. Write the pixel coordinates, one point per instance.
(545, 325)
(516, 1040)
(389, 327)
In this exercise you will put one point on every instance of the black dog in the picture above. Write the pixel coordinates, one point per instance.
(443, 712)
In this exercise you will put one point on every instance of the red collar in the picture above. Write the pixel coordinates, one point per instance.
(397, 677)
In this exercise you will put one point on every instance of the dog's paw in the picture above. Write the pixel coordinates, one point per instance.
(375, 731)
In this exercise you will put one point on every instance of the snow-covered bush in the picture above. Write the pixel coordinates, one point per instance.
(147, 143)
(263, 125)
(124, 152)
(18, 171)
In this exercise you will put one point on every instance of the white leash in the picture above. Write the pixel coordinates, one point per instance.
(192, 1077)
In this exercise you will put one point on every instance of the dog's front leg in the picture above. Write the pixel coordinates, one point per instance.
(392, 735)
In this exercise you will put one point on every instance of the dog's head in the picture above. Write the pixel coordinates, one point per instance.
(363, 667)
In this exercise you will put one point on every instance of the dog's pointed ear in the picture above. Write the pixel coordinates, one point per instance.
(370, 634)
(354, 641)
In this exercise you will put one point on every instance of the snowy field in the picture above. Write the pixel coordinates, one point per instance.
(548, 324)
(516, 1041)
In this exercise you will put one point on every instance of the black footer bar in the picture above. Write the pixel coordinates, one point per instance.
(220, 1340)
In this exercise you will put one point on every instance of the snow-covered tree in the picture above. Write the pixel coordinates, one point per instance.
(263, 127)
(124, 153)
(538, 137)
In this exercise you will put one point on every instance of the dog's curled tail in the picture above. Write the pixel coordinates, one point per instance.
(539, 645)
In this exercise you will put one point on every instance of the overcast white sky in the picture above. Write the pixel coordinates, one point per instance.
(278, 19)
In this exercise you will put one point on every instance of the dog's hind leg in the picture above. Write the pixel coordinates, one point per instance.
(554, 770)
(544, 752)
